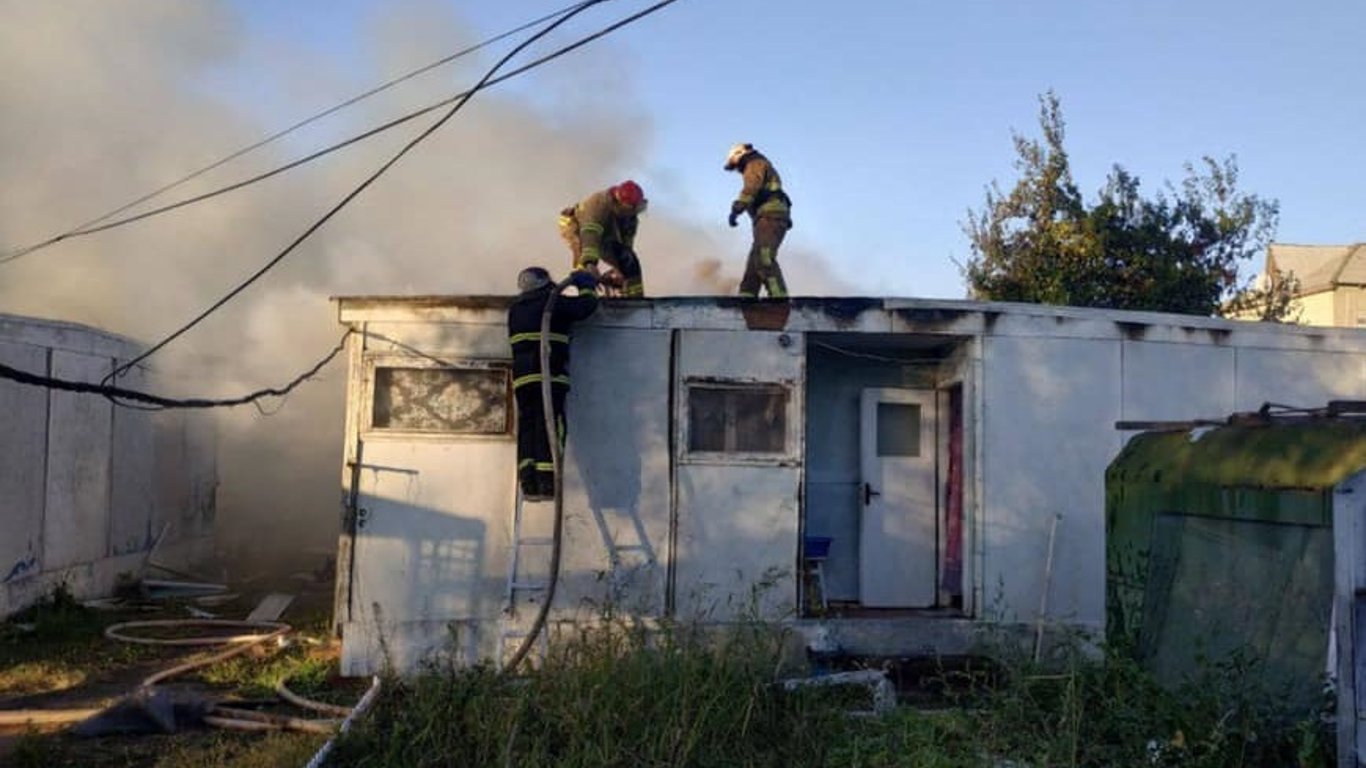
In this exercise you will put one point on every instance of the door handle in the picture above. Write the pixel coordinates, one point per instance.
(868, 494)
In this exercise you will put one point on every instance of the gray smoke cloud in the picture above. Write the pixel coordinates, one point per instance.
(107, 100)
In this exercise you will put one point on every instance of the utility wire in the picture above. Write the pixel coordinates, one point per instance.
(358, 137)
(89, 226)
(157, 402)
(360, 188)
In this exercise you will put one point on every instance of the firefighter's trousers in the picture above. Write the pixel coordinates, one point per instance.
(623, 260)
(535, 465)
(762, 270)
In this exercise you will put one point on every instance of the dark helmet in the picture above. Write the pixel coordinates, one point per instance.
(532, 278)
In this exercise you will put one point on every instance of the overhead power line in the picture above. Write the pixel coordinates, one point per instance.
(157, 402)
(89, 226)
(346, 142)
(483, 82)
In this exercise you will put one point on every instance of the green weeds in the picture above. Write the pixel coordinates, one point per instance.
(632, 698)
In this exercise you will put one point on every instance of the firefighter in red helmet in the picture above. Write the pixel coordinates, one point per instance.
(602, 227)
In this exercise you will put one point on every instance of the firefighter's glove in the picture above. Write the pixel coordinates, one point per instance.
(583, 280)
(736, 208)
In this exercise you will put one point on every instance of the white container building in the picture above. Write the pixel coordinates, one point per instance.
(716, 446)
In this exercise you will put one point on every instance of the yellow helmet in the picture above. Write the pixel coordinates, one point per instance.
(737, 153)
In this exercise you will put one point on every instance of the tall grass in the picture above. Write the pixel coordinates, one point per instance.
(684, 698)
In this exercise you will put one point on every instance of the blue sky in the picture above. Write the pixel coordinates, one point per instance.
(888, 119)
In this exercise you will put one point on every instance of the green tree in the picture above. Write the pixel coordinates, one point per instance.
(1177, 251)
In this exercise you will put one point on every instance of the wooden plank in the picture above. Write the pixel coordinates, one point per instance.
(271, 607)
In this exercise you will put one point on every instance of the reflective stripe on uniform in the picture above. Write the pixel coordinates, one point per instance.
(545, 466)
(524, 463)
(517, 338)
(591, 226)
(535, 378)
(589, 256)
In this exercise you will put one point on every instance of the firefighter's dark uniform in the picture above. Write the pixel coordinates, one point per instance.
(535, 466)
(770, 209)
(596, 229)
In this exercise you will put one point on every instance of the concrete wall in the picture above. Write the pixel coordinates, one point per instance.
(85, 487)
(1348, 642)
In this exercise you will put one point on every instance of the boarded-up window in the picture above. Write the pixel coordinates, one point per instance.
(748, 418)
(469, 401)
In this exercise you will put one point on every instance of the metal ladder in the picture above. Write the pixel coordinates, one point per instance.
(515, 579)
(519, 589)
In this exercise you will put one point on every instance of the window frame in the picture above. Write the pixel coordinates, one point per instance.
(786, 457)
(367, 405)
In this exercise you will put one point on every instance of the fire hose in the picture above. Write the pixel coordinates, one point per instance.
(219, 716)
(557, 461)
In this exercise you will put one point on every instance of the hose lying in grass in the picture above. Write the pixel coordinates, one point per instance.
(282, 690)
(362, 706)
(220, 717)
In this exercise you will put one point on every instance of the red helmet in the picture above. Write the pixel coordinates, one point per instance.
(629, 194)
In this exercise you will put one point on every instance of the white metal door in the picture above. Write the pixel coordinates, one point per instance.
(897, 532)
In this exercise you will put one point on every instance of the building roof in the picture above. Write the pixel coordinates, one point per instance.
(1319, 267)
(862, 314)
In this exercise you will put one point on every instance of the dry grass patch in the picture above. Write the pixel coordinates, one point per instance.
(31, 677)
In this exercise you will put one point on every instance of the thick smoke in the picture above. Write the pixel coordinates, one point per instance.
(106, 100)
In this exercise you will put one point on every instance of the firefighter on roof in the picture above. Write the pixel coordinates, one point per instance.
(535, 465)
(603, 227)
(770, 211)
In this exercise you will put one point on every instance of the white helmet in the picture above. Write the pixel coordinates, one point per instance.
(737, 153)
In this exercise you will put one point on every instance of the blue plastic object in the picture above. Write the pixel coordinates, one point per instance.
(817, 547)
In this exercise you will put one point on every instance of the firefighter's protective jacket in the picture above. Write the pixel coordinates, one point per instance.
(762, 194)
(602, 229)
(524, 333)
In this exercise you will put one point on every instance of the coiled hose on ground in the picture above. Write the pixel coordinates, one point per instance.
(219, 716)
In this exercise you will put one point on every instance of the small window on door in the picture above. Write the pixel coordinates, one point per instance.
(898, 429)
(459, 401)
(737, 418)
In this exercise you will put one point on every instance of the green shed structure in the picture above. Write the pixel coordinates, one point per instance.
(1246, 537)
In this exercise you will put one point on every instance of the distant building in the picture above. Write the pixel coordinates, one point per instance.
(1332, 289)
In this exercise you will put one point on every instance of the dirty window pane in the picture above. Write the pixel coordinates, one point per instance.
(454, 400)
(707, 419)
(898, 429)
(738, 419)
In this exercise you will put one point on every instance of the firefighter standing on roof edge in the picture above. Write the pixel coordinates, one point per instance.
(603, 226)
(770, 211)
(535, 465)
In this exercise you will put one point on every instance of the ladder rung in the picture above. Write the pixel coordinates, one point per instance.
(536, 541)
(522, 585)
(631, 547)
